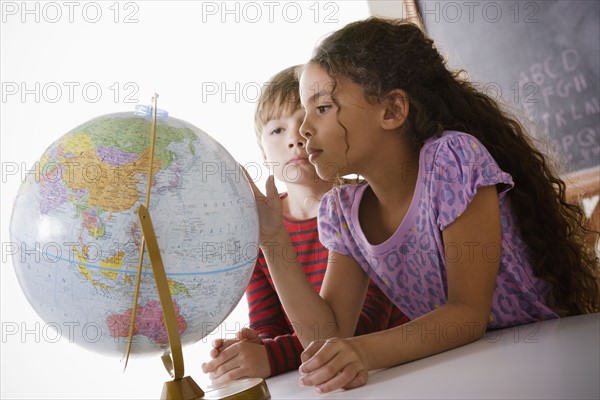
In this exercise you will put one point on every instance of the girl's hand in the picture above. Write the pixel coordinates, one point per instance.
(333, 364)
(242, 357)
(269, 209)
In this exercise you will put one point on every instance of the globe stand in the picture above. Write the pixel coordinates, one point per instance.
(186, 388)
(243, 389)
(180, 387)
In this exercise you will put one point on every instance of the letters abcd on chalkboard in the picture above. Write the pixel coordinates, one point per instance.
(542, 57)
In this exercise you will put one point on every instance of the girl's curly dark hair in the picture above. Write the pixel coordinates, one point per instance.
(382, 55)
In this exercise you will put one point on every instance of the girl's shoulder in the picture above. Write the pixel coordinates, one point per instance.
(346, 191)
(454, 147)
(451, 139)
(341, 199)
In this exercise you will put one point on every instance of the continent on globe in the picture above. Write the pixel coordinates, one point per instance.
(76, 226)
(149, 322)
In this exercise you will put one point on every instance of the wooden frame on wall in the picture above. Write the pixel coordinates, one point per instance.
(406, 9)
(583, 189)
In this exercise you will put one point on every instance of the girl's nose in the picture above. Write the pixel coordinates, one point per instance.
(304, 131)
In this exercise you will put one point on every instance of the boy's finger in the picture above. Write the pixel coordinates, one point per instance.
(221, 358)
(218, 343)
(207, 367)
(227, 343)
(214, 353)
(247, 334)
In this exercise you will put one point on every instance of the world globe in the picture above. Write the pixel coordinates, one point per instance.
(75, 224)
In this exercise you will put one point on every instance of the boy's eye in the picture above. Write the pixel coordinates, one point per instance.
(276, 131)
(322, 109)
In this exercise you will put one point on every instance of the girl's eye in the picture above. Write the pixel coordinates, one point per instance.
(276, 131)
(322, 109)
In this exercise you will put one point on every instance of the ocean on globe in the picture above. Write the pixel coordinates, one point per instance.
(75, 224)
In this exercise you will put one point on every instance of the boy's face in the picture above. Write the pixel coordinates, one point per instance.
(285, 150)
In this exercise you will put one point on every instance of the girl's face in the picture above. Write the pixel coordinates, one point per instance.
(333, 150)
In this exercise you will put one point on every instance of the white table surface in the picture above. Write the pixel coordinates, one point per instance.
(557, 359)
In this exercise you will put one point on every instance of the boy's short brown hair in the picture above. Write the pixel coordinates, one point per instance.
(279, 96)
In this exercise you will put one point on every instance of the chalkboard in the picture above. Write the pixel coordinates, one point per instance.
(542, 57)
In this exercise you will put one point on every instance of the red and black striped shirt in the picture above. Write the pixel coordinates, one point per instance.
(268, 318)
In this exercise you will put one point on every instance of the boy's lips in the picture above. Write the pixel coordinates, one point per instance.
(298, 160)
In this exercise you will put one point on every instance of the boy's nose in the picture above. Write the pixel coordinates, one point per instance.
(297, 142)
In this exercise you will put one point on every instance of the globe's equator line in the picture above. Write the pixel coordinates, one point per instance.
(58, 258)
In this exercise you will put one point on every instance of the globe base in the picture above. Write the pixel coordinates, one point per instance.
(184, 388)
(243, 389)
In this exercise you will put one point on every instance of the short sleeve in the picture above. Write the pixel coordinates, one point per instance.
(330, 220)
(461, 165)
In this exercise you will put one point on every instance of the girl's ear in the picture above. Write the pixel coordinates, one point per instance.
(396, 109)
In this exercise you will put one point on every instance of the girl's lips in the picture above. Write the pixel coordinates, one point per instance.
(313, 155)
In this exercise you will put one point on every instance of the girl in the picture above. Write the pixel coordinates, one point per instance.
(462, 223)
(270, 347)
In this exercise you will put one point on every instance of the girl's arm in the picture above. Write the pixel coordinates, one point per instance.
(472, 243)
(312, 315)
(343, 288)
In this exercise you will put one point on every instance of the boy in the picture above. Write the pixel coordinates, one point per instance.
(270, 347)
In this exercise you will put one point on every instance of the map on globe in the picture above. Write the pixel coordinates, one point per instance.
(75, 221)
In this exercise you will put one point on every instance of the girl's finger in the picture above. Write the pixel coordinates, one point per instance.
(310, 351)
(271, 189)
(255, 190)
(349, 377)
(318, 354)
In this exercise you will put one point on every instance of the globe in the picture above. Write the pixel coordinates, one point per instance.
(75, 224)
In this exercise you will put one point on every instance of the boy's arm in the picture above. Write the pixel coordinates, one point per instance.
(254, 353)
(378, 312)
(264, 309)
(284, 353)
(268, 320)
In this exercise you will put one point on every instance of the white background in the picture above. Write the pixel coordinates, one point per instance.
(54, 58)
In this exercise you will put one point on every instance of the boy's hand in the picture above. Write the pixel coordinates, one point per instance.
(242, 357)
(247, 334)
(269, 208)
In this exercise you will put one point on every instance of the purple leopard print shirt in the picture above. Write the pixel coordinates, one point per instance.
(410, 267)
